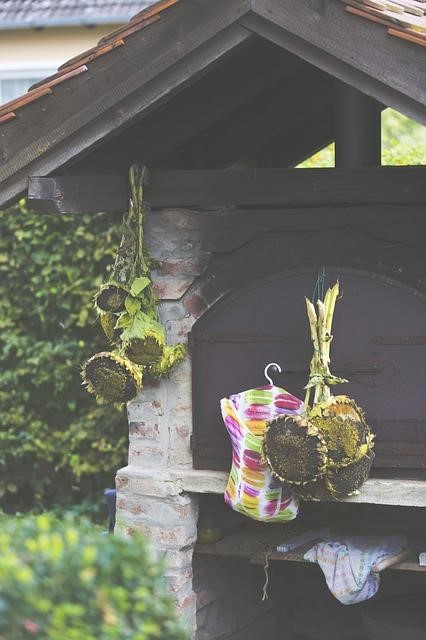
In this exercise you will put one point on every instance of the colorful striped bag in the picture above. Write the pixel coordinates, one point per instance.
(251, 489)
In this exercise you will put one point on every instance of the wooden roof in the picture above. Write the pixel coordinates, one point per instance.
(207, 85)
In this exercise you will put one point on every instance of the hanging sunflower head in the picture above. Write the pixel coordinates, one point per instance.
(145, 351)
(112, 378)
(111, 297)
(344, 429)
(171, 357)
(108, 322)
(345, 481)
(295, 450)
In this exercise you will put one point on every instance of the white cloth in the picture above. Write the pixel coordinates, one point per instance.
(347, 563)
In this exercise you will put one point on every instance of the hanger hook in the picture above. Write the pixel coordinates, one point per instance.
(271, 364)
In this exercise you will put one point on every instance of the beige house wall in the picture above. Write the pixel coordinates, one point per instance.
(46, 48)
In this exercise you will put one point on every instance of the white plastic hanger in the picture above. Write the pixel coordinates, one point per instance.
(271, 364)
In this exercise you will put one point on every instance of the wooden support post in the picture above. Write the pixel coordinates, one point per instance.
(357, 129)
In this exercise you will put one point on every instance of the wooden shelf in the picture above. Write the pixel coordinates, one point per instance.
(400, 492)
(256, 544)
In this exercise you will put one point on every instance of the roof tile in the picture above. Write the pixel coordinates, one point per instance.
(59, 77)
(128, 29)
(405, 15)
(77, 65)
(7, 116)
(27, 98)
(153, 9)
(89, 55)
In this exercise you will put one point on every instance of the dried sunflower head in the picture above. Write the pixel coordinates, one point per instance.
(142, 338)
(344, 429)
(295, 450)
(147, 350)
(111, 297)
(112, 378)
(170, 358)
(346, 481)
(108, 322)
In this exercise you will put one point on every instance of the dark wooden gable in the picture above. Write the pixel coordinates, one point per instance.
(207, 85)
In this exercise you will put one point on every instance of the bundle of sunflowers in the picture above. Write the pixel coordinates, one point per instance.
(328, 449)
(128, 315)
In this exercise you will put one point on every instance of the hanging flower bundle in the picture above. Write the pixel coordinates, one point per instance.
(327, 450)
(128, 315)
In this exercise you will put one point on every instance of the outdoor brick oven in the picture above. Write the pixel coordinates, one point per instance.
(230, 280)
(219, 100)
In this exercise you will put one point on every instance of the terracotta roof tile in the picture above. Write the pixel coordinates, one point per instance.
(77, 65)
(89, 55)
(407, 36)
(139, 21)
(153, 9)
(27, 98)
(128, 29)
(404, 18)
(59, 77)
(7, 116)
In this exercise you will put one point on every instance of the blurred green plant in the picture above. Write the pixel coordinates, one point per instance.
(403, 143)
(57, 447)
(66, 581)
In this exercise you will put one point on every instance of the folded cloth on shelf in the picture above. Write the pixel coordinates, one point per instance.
(348, 562)
(251, 489)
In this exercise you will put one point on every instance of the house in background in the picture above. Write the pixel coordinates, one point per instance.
(36, 36)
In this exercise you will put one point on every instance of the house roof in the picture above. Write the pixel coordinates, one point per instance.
(404, 19)
(18, 14)
(202, 84)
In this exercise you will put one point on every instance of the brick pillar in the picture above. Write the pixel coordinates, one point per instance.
(156, 508)
(160, 419)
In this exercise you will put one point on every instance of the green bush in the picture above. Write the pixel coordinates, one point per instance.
(56, 444)
(62, 581)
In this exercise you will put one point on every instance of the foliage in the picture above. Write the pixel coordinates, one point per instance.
(56, 445)
(403, 140)
(128, 313)
(63, 581)
(403, 143)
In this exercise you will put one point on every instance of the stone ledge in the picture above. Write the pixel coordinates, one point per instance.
(389, 491)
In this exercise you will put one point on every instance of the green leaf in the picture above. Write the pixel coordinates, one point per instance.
(124, 320)
(132, 305)
(139, 284)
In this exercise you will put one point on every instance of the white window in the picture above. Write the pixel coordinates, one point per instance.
(15, 82)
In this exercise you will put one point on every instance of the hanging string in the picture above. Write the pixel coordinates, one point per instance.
(319, 289)
(265, 569)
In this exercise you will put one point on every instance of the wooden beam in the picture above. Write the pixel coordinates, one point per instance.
(357, 128)
(267, 187)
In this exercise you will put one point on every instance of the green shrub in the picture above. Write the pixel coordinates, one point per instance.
(56, 444)
(63, 581)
